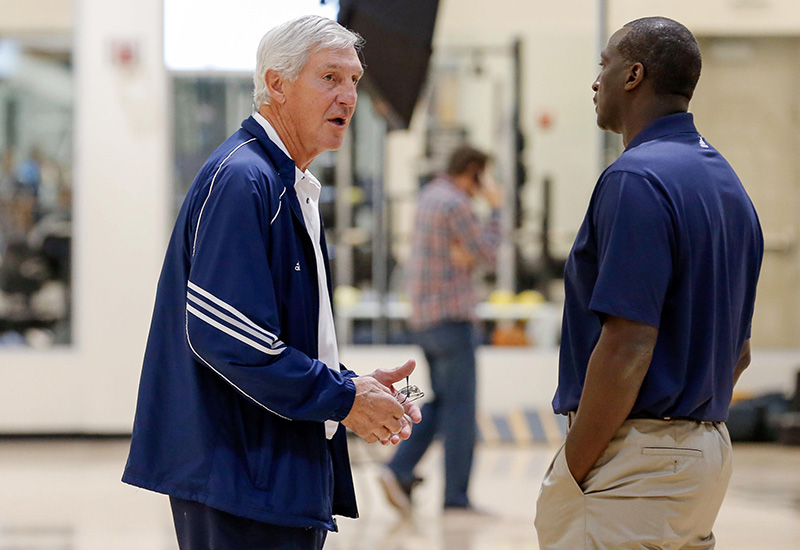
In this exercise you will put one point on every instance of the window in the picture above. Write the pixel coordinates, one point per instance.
(36, 118)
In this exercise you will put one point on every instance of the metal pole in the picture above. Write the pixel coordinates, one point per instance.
(343, 176)
(508, 256)
(380, 252)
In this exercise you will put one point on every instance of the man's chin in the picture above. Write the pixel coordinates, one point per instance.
(332, 144)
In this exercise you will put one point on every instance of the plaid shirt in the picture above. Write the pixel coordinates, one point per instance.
(441, 290)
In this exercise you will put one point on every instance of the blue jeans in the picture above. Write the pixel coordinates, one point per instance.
(449, 348)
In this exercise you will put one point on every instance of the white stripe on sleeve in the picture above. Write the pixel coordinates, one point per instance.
(229, 308)
(231, 321)
(233, 333)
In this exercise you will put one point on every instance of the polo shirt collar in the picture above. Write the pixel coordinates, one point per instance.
(678, 123)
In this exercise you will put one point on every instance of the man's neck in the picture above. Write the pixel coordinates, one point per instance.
(649, 112)
(297, 153)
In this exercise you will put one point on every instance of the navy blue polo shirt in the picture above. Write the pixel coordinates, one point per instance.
(671, 239)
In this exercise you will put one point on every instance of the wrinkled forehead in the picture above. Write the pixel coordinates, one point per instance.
(345, 60)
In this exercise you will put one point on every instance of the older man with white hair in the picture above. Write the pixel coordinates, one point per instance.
(242, 394)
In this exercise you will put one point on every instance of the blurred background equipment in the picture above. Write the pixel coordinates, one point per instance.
(36, 123)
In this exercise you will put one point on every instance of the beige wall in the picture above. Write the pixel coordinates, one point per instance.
(746, 105)
(715, 17)
(36, 16)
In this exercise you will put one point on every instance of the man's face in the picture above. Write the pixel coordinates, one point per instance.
(609, 92)
(321, 101)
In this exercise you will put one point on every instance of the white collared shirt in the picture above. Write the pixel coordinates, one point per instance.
(308, 190)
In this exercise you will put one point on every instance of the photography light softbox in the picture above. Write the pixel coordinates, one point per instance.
(398, 37)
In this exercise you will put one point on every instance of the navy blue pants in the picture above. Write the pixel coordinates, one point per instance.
(200, 527)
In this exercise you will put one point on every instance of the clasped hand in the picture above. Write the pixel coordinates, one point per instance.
(377, 413)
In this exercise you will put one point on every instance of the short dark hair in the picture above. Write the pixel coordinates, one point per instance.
(463, 157)
(667, 50)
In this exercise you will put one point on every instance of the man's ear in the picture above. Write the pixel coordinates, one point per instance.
(274, 82)
(635, 76)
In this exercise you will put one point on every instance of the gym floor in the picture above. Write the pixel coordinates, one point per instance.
(66, 495)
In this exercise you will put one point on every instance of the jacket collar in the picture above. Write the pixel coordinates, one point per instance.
(279, 159)
(285, 165)
(678, 123)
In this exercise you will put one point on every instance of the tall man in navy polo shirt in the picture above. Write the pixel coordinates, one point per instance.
(660, 286)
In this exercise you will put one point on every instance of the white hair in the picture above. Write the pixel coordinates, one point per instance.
(287, 47)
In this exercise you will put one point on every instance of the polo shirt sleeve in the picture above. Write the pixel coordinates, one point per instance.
(635, 242)
(232, 318)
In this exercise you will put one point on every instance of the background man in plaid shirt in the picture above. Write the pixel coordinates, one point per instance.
(449, 242)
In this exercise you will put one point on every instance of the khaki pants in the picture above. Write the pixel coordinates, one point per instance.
(658, 486)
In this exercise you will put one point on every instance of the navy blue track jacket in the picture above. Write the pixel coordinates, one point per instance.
(232, 403)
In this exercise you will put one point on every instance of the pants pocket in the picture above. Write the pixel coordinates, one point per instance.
(561, 469)
(682, 462)
(672, 451)
(560, 519)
